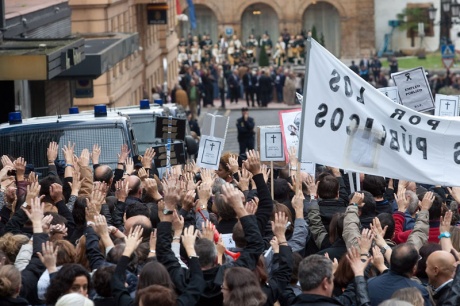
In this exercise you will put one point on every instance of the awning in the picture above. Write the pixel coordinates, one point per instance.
(39, 59)
(103, 52)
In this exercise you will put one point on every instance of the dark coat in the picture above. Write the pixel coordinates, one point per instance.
(441, 296)
(314, 299)
(245, 128)
(19, 301)
(382, 287)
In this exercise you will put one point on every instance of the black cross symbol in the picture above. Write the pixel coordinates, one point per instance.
(408, 76)
(212, 145)
(447, 105)
(273, 137)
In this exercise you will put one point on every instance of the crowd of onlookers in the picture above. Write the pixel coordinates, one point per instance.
(86, 234)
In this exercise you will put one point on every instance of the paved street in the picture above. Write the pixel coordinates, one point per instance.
(262, 116)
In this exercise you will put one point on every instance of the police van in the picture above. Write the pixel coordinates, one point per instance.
(30, 138)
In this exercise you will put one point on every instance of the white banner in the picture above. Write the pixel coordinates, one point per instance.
(347, 123)
(446, 105)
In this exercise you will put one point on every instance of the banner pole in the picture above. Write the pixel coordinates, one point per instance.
(272, 183)
(305, 93)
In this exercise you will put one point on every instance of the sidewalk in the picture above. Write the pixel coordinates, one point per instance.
(242, 103)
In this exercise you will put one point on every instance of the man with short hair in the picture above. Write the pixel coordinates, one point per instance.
(403, 265)
(440, 270)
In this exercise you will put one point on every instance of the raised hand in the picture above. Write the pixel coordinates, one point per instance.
(33, 190)
(265, 172)
(251, 207)
(188, 201)
(35, 215)
(377, 259)
(48, 256)
(95, 154)
(365, 241)
(455, 193)
(188, 240)
(379, 233)
(207, 230)
(130, 166)
(244, 176)
(401, 200)
(297, 203)
(100, 226)
(52, 152)
(445, 222)
(75, 186)
(279, 226)
(206, 176)
(232, 197)
(124, 153)
(275, 245)
(427, 200)
(356, 264)
(20, 166)
(56, 192)
(233, 163)
(97, 198)
(133, 240)
(148, 158)
(68, 151)
(177, 223)
(143, 174)
(83, 161)
(121, 190)
(293, 161)
(252, 163)
(358, 198)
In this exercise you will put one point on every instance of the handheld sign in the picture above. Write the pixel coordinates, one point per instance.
(290, 129)
(446, 105)
(414, 89)
(392, 93)
(212, 141)
(271, 143)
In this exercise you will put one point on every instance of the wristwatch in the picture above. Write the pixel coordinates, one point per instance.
(444, 235)
(167, 211)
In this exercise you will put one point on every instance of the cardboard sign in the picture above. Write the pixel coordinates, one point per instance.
(212, 141)
(271, 143)
(446, 105)
(170, 128)
(392, 93)
(414, 89)
(290, 129)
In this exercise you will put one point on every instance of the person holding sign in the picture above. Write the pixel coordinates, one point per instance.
(245, 126)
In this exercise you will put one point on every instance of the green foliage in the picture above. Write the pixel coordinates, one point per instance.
(263, 58)
(409, 19)
(314, 33)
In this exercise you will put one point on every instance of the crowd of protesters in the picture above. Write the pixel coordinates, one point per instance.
(86, 234)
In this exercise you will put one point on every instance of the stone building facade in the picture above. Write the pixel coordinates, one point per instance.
(347, 25)
(133, 78)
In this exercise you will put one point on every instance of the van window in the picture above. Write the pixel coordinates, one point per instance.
(31, 142)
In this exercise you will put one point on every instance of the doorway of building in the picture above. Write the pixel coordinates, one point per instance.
(206, 23)
(258, 19)
(326, 19)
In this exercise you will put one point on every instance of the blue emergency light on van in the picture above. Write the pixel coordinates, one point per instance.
(158, 101)
(144, 104)
(73, 110)
(14, 118)
(100, 110)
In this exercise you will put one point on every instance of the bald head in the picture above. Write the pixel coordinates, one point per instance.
(134, 185)
(139, 220)
(440, 267)
(103, 173)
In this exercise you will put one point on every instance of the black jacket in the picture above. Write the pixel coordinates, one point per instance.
(245, 128)
(336, 250)
(248, 76)
(328, 208)
(441, 296)
(280, 276)
(19, 301)
(314, 299)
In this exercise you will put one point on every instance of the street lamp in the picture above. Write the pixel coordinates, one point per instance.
(450, 9)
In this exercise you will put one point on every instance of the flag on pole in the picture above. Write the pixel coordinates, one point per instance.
(191, 14)
(347, 123)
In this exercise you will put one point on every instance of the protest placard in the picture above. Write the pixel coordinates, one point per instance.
(271, 143)
(446, 105)
(348, 124)
(212, 141)
(392, 93)
(290, 129)
(414, 89)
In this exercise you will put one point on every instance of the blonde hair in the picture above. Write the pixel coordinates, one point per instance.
(11, 244)
(10, 281)
(410, 294)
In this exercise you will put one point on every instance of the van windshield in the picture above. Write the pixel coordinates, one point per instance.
(144, 130)
(32, 142)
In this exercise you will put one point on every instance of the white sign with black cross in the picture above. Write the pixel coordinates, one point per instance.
(271, 143)
(212, 141)
(446, 105)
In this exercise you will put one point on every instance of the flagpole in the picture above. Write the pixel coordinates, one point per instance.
(305, 93)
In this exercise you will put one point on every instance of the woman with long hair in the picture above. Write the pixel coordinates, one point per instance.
(241, 287)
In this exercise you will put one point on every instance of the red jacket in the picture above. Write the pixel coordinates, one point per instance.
(401, 236)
